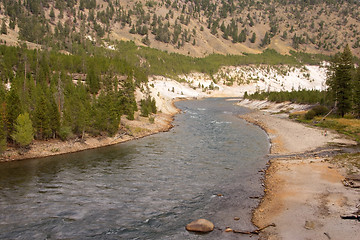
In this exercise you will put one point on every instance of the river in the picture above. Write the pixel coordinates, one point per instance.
(207, 166)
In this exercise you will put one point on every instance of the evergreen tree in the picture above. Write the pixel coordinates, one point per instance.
(253, 38)
(146, 40)
(52, 14)
(148, 106)
(13, 108)
(41, 115)
(77, 108)
(3, 28)
(3, 130)
(339, 80)
(54, 115)
(23, 130)
(242, 36)
(266, 40)
(356, 97)
(92, 79)
(106, 113)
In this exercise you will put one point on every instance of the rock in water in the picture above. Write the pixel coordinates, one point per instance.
(200, 225)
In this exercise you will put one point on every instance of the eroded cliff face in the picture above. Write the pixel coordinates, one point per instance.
(234, 82)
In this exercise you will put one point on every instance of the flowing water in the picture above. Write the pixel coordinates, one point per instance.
(144, 189)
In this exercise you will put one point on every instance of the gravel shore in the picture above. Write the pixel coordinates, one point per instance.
(304, 194)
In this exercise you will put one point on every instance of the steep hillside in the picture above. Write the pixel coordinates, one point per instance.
(190, 27)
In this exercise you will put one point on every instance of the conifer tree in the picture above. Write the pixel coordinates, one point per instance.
(52, 14)
(3, 131)
(253, 38)
(41, 115)
(23, 130)
(266, 40)
(356, 97)
(339, 80)
(92, 79)
(13, 108)
(242, 36)
(3, 28)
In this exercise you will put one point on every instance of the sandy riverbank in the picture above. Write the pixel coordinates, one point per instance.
(304, 196)
(138, 128)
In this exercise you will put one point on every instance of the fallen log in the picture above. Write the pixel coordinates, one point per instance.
(257, 231)
(351, 216)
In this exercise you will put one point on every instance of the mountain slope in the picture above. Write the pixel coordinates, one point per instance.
(190, 27)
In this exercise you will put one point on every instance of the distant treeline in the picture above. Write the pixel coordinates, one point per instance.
(301, 96)
(172, 64)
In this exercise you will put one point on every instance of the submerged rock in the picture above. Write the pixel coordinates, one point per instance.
(200, 225)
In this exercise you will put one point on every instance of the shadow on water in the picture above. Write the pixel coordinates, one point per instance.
(205, 167)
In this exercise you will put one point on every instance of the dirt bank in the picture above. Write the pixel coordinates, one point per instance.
(138, 128)
(304, 196)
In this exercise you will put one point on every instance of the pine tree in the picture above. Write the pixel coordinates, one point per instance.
(52, 14)
(339, 80)
(13, 108)
(3, 28)
(266, 40)
(23, 130)
(3, 130)
(41, 115)
(92, 79)
(356, 92)
(253, 38)
(242, 36)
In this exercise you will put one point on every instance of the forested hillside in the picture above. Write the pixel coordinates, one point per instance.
(61, 100)
(191, 27)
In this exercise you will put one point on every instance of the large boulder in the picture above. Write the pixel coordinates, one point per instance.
(200, 225)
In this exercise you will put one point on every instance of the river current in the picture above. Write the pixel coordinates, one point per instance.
(207, 166)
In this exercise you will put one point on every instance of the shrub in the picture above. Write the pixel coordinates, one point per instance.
(320, 110)
(65, 133)
(23, 130)
(310, 115)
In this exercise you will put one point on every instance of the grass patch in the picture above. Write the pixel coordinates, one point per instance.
(350, 127)
(138, 130)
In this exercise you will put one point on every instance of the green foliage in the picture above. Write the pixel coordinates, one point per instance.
(253, 38)
(65, 133)
(3, 28)
(106, 113)
(23, 130)
(266, 40)
(13, 108)
(356, 92)
(307, 58)
(3, 130)
(320, 110)
(148, 106)
(350, 127)
(301, 97)
(310, 115)
(339, 80)
(92, 79)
